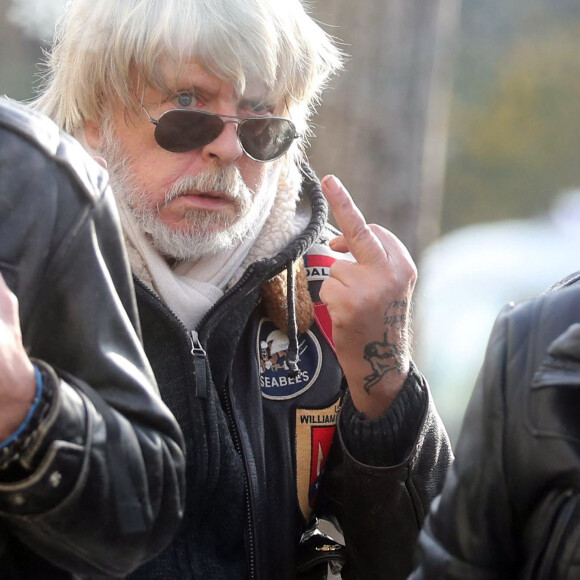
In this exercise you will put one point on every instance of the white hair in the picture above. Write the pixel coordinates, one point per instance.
(100, 43)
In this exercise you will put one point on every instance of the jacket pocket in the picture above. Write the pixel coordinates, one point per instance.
(551, 540)
(554, 403)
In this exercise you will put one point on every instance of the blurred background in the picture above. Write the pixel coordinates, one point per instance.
(456, 124)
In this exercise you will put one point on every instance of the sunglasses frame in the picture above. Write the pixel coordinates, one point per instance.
(239, 121)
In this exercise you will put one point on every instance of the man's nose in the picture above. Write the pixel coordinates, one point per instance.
(226, 146)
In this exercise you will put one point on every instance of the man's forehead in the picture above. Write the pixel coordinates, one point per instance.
(193, 75)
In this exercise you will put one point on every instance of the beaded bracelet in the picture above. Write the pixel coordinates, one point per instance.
(12, 448)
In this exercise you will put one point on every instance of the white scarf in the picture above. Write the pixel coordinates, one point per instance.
(191, 287)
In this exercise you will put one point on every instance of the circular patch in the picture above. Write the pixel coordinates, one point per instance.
(276, 380)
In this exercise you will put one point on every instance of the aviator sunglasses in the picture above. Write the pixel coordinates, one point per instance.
(262, 138)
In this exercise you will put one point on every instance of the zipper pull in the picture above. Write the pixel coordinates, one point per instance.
(199, 360)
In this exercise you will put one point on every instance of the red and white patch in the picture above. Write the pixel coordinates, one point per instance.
(318, 270)
(315, 429)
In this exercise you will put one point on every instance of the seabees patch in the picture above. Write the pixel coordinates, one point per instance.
(276, 381)
(315, 430)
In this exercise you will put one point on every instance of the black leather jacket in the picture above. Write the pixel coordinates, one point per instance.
(261, 445)
(510, 507)
(104, 486)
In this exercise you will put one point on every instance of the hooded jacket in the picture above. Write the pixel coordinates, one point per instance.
(99, 487)
(510, 507)
(268, 447)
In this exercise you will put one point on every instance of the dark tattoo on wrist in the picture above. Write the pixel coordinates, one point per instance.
(383, 357)
(396, 314)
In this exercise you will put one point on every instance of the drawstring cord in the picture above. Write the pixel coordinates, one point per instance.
(292, 356)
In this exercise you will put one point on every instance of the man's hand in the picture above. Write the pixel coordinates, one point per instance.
(368, 302)
(17, 378)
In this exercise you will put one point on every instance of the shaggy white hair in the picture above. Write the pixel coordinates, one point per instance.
(100, 43)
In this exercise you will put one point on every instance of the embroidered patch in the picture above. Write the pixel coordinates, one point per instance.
(317, 270)
(276, 381)
(315, 430)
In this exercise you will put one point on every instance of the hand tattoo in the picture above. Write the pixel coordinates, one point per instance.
(396, 319)
(383, 357)
(386, 356)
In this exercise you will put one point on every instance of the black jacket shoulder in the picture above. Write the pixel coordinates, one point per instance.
(45, 135)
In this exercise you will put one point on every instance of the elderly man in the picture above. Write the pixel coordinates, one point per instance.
(201, 110)
(91, 460)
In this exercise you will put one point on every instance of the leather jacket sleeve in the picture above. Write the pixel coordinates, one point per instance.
(511, 503)
(465, 535)
(381, 498)
(101, 488)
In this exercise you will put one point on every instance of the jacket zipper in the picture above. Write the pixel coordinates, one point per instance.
(199, 361)
(201, 382)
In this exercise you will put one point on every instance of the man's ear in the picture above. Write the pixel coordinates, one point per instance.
(93, 134)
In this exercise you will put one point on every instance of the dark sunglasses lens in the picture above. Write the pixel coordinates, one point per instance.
(266, 139)
(180, 130)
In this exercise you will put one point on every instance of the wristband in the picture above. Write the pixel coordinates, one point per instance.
(33, 407)
(12, 448)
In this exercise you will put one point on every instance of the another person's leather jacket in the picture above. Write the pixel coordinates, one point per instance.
(510, 507)
(97, 488)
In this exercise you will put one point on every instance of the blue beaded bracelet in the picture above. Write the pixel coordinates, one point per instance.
(29, 415)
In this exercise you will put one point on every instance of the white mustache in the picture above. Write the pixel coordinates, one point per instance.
(227, 181)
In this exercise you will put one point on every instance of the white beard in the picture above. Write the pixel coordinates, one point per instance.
(208, 232)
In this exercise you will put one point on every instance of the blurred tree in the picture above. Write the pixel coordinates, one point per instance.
(383, 127)
(511, 156)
